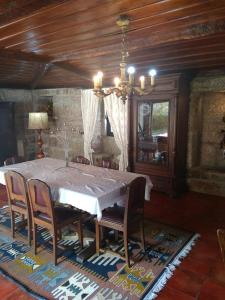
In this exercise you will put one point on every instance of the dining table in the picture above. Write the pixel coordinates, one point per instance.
(86, 187)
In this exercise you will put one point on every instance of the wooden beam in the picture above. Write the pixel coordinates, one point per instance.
(43, 69)
(19, 55)
(24, 56)
(73, 69)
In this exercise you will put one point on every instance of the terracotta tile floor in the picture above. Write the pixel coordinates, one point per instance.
(201, 275)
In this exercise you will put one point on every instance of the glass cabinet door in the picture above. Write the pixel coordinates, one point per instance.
(152, 132)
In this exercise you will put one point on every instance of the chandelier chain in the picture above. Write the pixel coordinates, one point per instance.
(124, 45)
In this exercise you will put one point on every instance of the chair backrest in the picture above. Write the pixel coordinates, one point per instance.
(81, 160)
(40, 200)
(106, 163)
(13, 160)
(114, 166)
(16, 188)
(136, 197)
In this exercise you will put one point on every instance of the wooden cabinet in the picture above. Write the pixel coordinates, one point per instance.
(158, 134)
(7, 131)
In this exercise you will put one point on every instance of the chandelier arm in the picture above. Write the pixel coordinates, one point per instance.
(140, 92)
(101, 93)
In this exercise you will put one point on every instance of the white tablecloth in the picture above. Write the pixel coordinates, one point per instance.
(89, 188)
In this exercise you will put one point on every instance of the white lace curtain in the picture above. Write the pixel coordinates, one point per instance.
(117, 113)
(89, 109)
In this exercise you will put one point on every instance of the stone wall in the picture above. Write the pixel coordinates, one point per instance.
(66, 117)
(206, 164)
(66, 104)
(66, 109)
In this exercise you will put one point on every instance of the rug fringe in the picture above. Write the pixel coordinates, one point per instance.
(169, 270)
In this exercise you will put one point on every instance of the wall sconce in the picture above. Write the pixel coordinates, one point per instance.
(38, 121)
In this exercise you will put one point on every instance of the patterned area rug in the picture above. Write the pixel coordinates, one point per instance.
(100, 277)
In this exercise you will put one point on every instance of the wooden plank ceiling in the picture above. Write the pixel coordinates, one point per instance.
(63, 43)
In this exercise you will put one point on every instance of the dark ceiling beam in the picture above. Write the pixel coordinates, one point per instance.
(73, 69)
(42, 70)
(19, 55)
(13, 85)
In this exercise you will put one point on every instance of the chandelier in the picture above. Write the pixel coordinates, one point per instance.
(125, 85)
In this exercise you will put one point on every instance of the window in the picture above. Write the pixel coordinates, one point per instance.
(108, 128)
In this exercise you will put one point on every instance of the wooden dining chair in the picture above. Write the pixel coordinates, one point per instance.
(13, 160)
(106, 163)
(18, 201)
(81, 160)
(3, 195)
(109, 164)
(221, 240)
(114, 166)
(46, 214)
(124, 218)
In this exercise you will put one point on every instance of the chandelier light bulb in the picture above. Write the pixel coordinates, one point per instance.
(100, 74)
(131, 70)
(152, 72)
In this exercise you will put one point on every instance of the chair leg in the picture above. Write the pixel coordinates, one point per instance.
(97, 233)
(80, 233)
(35, 238)
(126, 248)
(29, 229)
(54, 239)
(221, 240)
(116, 234)
(13, 223)
(59, 233)
(142, 234)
